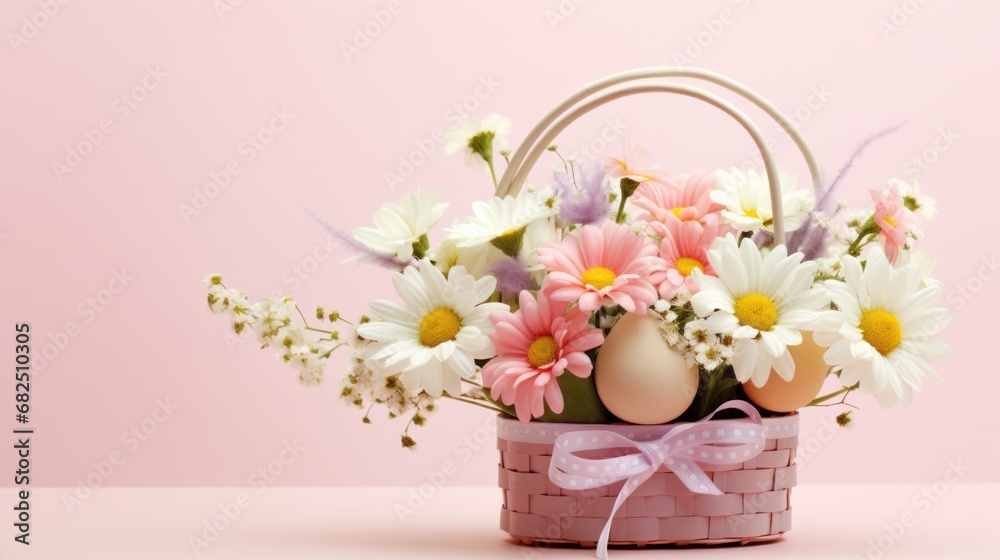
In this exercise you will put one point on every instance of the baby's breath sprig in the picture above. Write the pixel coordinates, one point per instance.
(270, 320)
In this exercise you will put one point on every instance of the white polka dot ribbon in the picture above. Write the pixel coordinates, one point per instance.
(717, 442)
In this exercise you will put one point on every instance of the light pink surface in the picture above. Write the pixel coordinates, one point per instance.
(222, 78)
(828, 522)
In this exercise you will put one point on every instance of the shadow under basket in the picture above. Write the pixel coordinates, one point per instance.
(754, 504)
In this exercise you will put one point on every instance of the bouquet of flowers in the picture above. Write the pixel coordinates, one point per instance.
(619, 292)
(646, 337)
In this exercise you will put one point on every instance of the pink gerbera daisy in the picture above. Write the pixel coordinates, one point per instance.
(535, 345)
(683, 198)
(598, 265)
(635, 164)
(894, 220)
(685, 249)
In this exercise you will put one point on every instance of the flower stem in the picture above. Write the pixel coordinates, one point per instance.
(472, 402)
(868, 230)
(628, 186)
(493, 172)
(621, 212)
(306, 323)
(842, 391)
(855, 249)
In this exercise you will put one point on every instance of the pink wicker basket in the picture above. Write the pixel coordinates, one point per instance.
(754, 505)
(753, 499)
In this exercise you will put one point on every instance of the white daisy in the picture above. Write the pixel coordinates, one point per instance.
(500, 221)
(440, 330)
(401, 229)
(924, 261)
(880, 335)
(538, 234)
(478, 140)
(476, 260)
(480, 259)
(747, 199)
(762, 302)
(913, 199)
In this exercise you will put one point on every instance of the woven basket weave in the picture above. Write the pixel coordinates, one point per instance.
(755, 505)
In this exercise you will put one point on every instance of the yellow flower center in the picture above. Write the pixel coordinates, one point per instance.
(752, 213)
(438, 326)
(757, 311)
(598, 277)
(889, 220)
(881, 329)
(677, 211)
(686, 265)
(542, 351)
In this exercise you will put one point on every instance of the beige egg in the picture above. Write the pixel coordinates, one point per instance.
(640, 378)
(779, 395)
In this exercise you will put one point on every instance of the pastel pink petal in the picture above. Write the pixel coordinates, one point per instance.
(675, 277)
(669, 291)
(590, 301)
(592, 246)
(569, 293)
(564, 259)
(525, 377)
(656, 278)
(554, 397)
(559, 277)
(559, 367)
(542, 378)
(537, 402)
(511, 335)
(691, 285)
(523, 410)
(587, 341)
(689, 213)
(623, 299)
(579, 364)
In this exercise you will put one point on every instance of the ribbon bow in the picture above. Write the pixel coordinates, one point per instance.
(716, 442)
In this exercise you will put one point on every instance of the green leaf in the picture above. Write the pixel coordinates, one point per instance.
(582, 404)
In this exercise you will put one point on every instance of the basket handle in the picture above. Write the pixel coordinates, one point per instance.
(556, 120)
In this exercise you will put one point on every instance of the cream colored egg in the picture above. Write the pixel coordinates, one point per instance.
(779, 395)
(640, 378)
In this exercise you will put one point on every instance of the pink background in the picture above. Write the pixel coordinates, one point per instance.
(355, 116)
